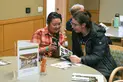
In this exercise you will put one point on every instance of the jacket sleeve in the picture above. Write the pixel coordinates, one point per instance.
(97, 51)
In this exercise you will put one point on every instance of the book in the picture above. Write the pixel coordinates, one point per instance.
(64, 53)
(27, 58)
(87, 77)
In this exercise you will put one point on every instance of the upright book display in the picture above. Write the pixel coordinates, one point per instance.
(27, 58)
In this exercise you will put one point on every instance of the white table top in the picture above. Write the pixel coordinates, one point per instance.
(113, 32)
(7, 73)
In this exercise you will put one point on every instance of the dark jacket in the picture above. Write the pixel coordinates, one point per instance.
(97, 50)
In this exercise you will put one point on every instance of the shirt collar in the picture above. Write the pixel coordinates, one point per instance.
(46, 31)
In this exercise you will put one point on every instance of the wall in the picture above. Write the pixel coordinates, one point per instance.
(17, 29)
(15, 24)
(16, 8)
(72, 2)
(60, 5)
(91, 4)
(108, 8)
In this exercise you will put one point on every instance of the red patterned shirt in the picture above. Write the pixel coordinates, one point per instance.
(44, 38)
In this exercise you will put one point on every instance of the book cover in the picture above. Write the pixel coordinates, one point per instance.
(27, 54)
(64, 53)
(87, 77)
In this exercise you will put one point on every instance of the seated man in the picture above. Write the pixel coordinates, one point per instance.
(97, 52)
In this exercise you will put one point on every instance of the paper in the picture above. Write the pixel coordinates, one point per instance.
(2, 62)
(87, 77)
(62, 65)
(108, 34)
(28, 56)
(65, 65)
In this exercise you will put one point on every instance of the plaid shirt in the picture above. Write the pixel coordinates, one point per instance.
(44, 38)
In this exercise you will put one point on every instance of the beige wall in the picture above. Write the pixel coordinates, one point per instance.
(88, 4)
(72, 2)
(16, 8)
(108, 8)
(91, 4)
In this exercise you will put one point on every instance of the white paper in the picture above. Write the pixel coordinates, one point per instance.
(108, 34)
(3, 62)
(80, 77)
(65, 65)
(28, 56)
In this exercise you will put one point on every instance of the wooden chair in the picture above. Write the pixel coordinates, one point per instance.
(114, 73)
(117, 53)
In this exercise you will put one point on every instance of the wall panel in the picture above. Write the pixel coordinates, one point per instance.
(17, 31)
(1, 38)
(38, 24)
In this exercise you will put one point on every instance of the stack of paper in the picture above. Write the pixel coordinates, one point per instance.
(87, 77)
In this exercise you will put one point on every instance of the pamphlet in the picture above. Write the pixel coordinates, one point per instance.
(64, 53)
(28, 55)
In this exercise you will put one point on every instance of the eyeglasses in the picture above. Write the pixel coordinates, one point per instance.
(73, 24)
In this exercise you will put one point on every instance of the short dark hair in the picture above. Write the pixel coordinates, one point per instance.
(53, 15)
(83, 17)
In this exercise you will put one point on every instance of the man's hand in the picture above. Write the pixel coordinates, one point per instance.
(75, 59)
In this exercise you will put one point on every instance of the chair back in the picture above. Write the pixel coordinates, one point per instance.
(117, 53)
(114, 73)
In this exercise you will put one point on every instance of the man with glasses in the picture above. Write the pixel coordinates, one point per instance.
(97, 52)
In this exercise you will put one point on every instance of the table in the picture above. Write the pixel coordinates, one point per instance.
(114, 32)
(53, 74)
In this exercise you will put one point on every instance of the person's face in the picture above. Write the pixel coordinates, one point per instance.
(55, 25)
(76, 26)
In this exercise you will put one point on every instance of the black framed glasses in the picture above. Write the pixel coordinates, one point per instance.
(73, 24)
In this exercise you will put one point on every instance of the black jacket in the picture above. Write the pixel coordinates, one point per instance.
(97, 50)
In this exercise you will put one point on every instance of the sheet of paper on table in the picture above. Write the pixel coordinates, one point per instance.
(3, 62)
(65, 65)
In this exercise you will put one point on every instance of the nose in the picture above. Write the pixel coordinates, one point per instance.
(57, 26)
